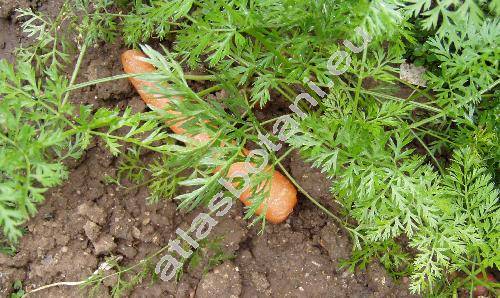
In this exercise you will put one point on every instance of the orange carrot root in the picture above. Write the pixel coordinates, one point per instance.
(282, 196)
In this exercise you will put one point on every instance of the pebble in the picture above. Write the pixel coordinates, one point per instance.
(136, 232)
(48, 260)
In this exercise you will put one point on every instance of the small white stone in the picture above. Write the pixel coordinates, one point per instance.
(316, 263)
(412, 74)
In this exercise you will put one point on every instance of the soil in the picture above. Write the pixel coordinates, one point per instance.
(84, 221)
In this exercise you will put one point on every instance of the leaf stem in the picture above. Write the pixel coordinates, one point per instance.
(75, 70)
(360, 81)
(307, 195)
(99, 81)
(209, 90)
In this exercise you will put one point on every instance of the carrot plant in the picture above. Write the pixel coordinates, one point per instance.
(423, 166)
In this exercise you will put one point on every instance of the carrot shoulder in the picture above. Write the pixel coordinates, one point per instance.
(132, 64)
(282, 195)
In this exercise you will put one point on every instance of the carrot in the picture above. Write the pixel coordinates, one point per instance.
(133, 64)
(282, 196)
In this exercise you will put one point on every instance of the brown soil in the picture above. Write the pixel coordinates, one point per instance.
(84, 221)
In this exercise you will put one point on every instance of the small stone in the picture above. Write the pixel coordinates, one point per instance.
(412, 74)
(92, 231)
(136, 233)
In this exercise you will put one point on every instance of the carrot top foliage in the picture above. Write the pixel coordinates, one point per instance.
(423, 166)
(419, 169)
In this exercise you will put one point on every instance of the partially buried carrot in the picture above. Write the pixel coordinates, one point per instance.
(282, 195)
(132, 63)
